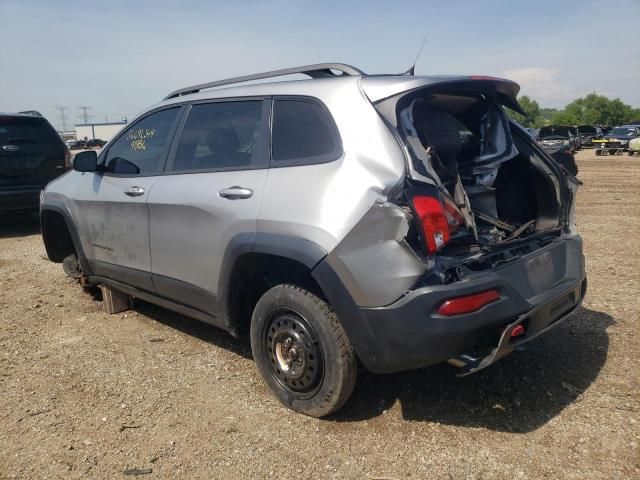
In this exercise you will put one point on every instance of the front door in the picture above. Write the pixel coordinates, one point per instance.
(112, 204)
(210, 193)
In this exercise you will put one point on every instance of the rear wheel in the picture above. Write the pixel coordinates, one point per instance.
(302, 351)
(71, 266)
(598, 153)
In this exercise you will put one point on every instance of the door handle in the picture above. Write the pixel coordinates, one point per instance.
(134, 191)
(235, 193)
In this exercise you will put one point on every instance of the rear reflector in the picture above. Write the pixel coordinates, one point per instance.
(469, 303)
(517, 331)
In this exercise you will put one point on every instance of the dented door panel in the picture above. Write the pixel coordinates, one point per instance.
(114, 227)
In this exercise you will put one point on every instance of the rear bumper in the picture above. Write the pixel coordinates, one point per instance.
(537, 290)
(24, 198)
(611, 147)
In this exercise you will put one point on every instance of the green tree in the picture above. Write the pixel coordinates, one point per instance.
(545, 116)
(531, 110)
(564, 118)
(597, 109)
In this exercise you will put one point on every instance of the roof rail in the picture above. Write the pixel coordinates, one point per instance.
(35, 113)
(318, 70)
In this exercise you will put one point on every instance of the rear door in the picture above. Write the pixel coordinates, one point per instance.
(31, 152)
(111, 205)
(209, 194)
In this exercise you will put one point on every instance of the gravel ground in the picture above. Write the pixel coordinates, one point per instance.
(87, 395)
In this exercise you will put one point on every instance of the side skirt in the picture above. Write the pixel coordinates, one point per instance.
(160, 301)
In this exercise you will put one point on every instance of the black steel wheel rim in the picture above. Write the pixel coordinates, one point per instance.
(294, 353)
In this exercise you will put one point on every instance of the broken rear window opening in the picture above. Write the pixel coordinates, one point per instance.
(492, 185)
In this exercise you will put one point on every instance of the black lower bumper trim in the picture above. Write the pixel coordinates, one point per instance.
(537, 321)
(538, 289)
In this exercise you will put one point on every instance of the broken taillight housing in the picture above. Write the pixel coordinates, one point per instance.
(438, 219)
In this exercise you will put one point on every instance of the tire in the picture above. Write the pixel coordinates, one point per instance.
(598, 153)
(71, 266)
(302, 351)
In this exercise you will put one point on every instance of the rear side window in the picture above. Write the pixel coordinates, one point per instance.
(221, 136)
(140, 149)
(27, 131)
(303, 133)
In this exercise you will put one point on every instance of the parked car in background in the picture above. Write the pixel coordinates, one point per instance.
(31, 154)
(617, 140)
(589, 133)
(337, 221)
(556, 136)
(78, 145)
(96, 143)
(576, 135)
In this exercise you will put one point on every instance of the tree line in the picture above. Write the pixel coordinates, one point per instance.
(593, 109)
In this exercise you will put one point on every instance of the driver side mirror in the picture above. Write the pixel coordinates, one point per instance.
(86, 161)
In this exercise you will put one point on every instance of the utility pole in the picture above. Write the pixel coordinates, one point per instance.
(63, 117)
(85, 114)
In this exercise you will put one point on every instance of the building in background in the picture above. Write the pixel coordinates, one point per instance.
(102, 130)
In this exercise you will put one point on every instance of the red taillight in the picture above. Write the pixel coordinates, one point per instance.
(468, 303)
(438, 221)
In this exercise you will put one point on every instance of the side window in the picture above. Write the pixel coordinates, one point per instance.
(302, 133)
(221, 135)
(140, 150)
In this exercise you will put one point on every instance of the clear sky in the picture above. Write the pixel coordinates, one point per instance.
(120, 56)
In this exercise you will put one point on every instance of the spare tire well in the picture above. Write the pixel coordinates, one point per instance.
(56, 236)
(255, 273)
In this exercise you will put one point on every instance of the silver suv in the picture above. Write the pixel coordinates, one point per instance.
(394, 221)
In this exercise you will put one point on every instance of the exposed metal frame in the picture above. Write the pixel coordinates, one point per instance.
(318, 70)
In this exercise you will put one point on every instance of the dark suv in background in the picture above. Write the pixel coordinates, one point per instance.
(589, 133)
(558, 136)
(31, 154)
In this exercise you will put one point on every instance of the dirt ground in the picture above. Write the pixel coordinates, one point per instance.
(87, 395)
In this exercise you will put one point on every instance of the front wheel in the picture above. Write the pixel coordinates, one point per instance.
(302, 351)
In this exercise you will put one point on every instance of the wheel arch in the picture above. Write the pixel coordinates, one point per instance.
(255, 261)
(304, 258)
(60, 236)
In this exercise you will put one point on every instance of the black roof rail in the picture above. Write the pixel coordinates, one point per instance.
(318, 70)
(35, 113)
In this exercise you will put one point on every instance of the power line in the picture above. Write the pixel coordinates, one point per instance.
(63, 117)
(85, 114)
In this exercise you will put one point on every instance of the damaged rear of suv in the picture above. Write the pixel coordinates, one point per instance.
(392, 220)
(490, 217)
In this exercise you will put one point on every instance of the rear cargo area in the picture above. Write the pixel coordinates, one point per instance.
(495, 185)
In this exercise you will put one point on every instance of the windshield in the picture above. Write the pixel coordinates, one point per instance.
(554, 132)
(623, 131)
(586, 129)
